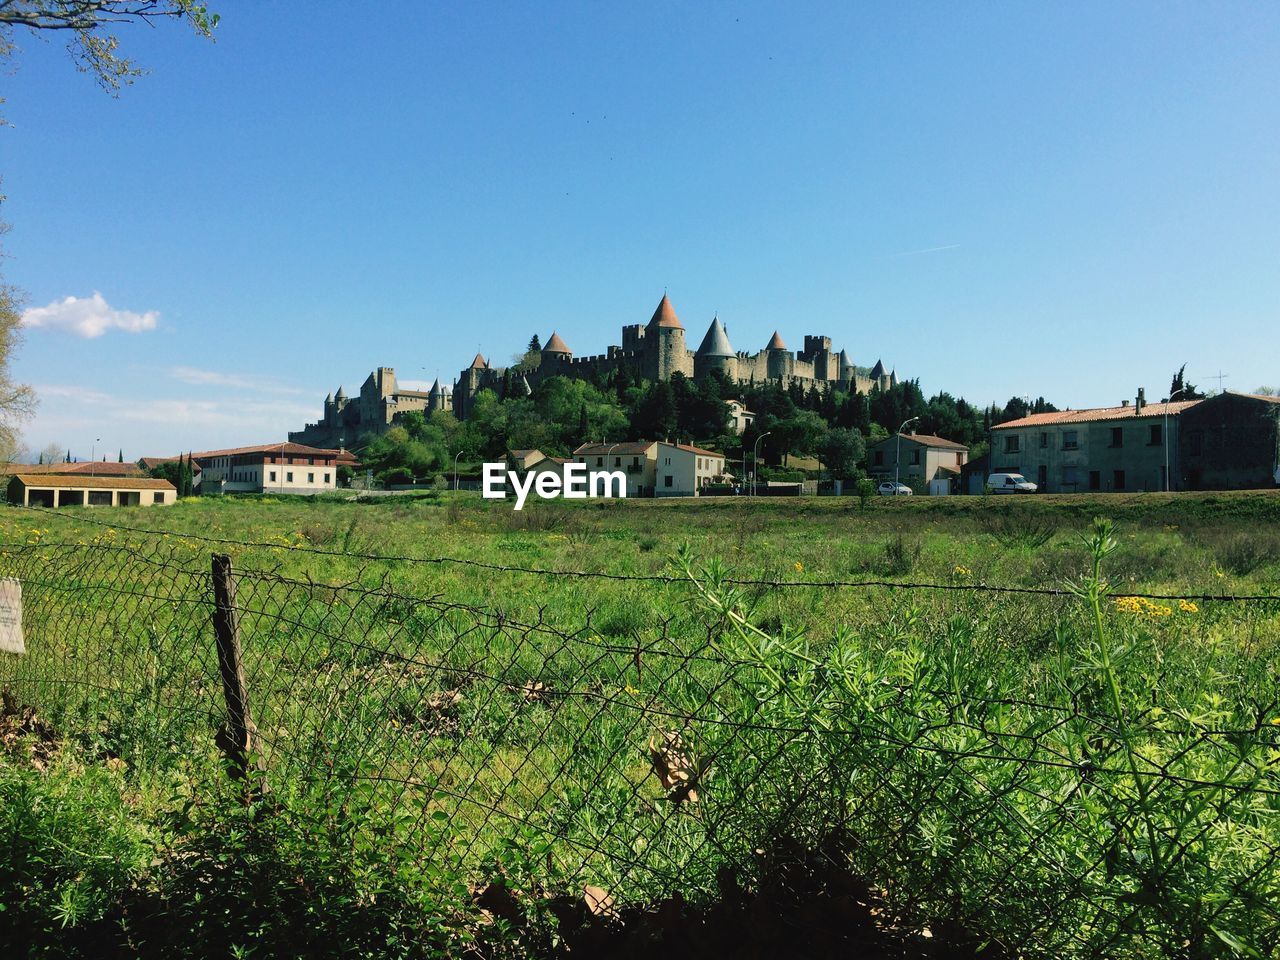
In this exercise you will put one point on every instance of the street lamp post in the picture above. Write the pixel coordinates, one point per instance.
(1165, 438)
(455, 470)
(755, 461)
(897, 455)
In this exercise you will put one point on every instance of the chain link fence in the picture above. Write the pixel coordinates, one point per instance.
(481, 746)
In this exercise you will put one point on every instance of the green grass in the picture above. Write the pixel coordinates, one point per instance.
(470, 720)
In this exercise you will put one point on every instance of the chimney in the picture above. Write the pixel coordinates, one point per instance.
(1125, 404)
(1141, 401)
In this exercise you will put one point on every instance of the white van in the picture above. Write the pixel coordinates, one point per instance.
(1009, 483)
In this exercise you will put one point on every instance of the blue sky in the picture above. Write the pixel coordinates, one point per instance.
(998, 199)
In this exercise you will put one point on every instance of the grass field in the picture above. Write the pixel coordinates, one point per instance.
(1062, 774)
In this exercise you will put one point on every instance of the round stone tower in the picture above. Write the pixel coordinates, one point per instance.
(664, 343)
(716, 353)
(555, 353)
(777, 359)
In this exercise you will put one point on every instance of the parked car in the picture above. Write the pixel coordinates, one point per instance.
(891, 488)
(1010, 483)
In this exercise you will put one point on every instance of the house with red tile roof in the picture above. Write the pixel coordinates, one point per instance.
(656, 468)
(269, 468)
(1124, 448)
(926, 463)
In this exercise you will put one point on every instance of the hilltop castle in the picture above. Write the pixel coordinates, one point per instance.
(652, 351)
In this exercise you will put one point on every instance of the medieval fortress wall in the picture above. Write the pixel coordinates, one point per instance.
(652, 351)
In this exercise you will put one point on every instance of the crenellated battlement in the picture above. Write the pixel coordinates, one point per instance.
(653, 351)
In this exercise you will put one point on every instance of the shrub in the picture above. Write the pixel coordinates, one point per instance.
(866, 489)
(1019, 529)
(901, 555)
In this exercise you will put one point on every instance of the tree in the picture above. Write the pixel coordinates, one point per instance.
(802, 434)
(90, 27)
(535, 345)
(1267, 392)
(1182, 388)
(177, 472)
(656, 416)
(52, 454)
(17, 401)
(121, 455)
(842, 450)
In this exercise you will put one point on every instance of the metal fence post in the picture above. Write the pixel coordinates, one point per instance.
(237, 737)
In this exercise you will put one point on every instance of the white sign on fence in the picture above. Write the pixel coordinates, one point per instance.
(11, 617)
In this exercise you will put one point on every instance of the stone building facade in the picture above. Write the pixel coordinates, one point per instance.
(658, 349)
(1105, 449)
(653, 351)
(1229, 442)
(372, 410)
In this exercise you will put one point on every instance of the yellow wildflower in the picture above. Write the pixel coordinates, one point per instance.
(1186, 606)
(799, 567)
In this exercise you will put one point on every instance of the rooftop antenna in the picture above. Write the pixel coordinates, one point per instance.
(1219, 376)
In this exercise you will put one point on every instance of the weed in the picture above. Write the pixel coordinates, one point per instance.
(901, 554)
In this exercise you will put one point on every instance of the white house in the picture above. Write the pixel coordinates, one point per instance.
(268, 468)
(682, 470)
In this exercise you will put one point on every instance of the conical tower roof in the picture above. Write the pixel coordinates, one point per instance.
(665, 315)
(877, 371)
(478, 363)
(436, 389)
(556, 345)
(328, 398)
(844, 359)
(775, 342)
(716, 342)
(340, 395)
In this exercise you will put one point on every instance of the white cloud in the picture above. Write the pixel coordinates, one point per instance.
(212, 378)
(158, 424)
(88, 317)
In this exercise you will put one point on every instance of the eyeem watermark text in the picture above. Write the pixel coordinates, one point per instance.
(576, 483)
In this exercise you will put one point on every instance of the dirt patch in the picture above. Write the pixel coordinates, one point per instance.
(23, 732)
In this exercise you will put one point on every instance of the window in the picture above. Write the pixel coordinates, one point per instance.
(1044, 440)
(273, 476)
(1095, 480)
(1070, 440)
(311, 461)
(617, 461)
(666, 481)
(599, 461)
(915, 458)
(326, 478)
(1157, 435)
(1011, 444)
(288, 477)
(635, 461)
(311, 478)
(879, 458)
(1042, 478)
(157, 498)
(1117, 436)
(1117, 479)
